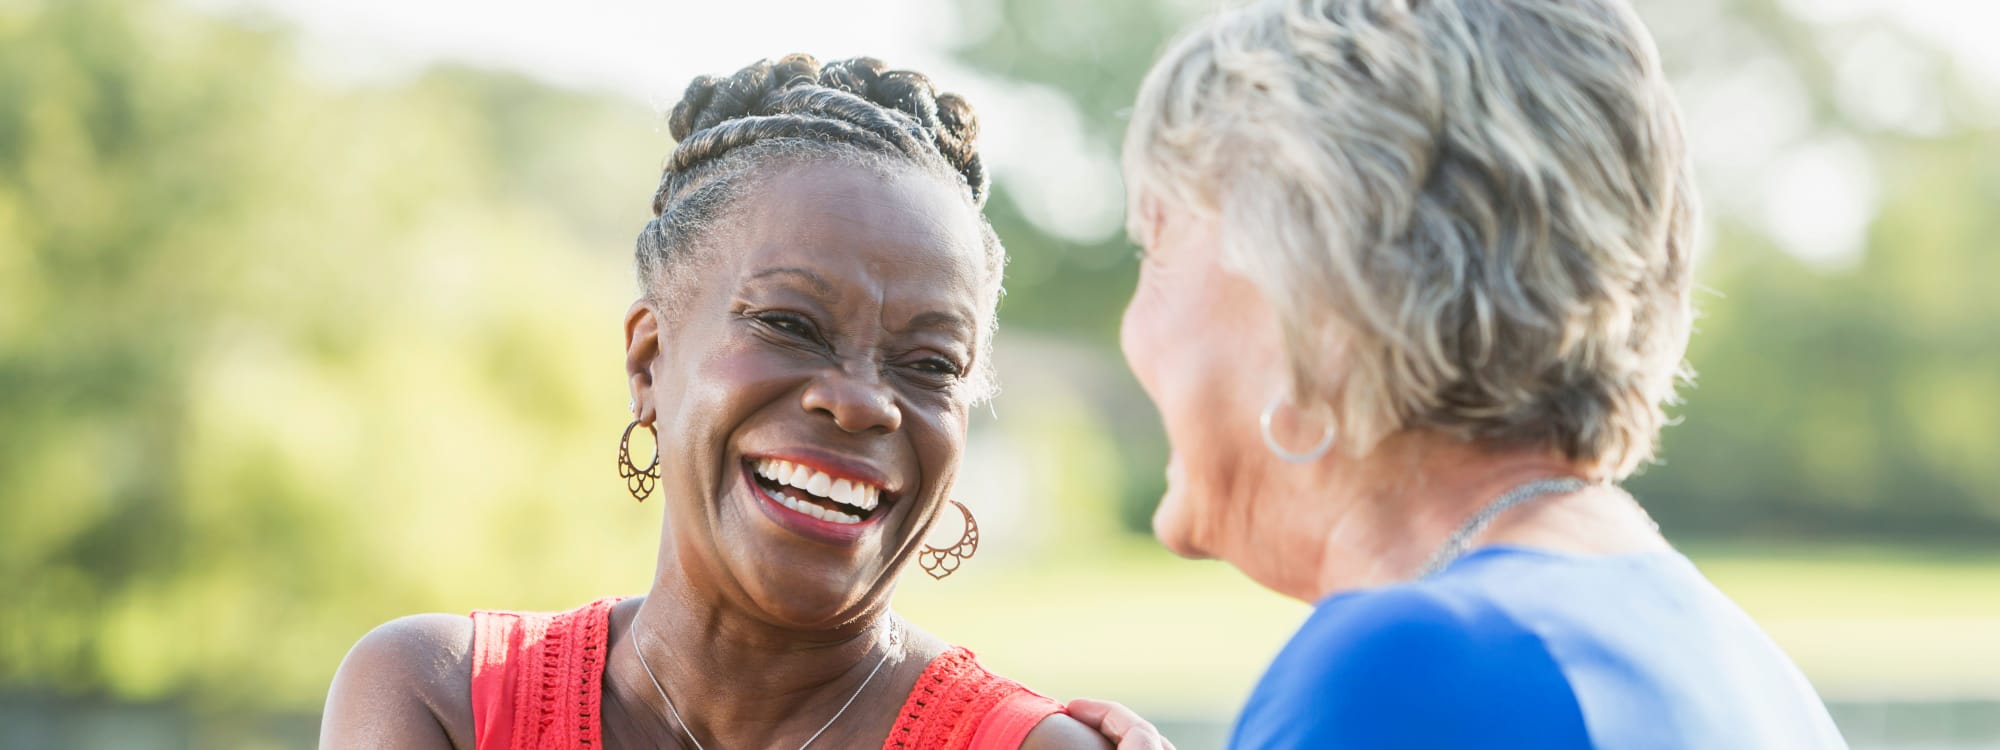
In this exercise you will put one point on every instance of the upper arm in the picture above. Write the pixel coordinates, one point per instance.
(1062, 732)
(1410, 669)
(406, 684)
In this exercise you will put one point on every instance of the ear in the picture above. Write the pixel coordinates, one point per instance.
(642, 351)
(1152, 221)
(1156, 223)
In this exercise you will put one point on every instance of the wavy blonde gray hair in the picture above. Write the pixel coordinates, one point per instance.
(1472, 216)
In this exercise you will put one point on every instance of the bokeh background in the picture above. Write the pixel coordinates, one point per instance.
(310, 317)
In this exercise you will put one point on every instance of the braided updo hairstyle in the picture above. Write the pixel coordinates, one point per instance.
(734, 132)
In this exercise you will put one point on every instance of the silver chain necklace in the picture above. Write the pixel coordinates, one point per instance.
(1454, 547)
(895, 636)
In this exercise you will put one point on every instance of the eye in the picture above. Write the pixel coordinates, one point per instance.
(790, 324)
(932, 369)
(937, 366)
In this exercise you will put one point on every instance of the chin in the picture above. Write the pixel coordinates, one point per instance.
(809, 603)
(1173, 525)
(799, 573)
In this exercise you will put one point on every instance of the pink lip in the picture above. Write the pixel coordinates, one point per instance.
(826, 532)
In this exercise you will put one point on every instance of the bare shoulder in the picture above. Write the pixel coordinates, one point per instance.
(406, 684)
(1062, 732)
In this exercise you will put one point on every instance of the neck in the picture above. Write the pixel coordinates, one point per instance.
(1376, 519)
(738, 681)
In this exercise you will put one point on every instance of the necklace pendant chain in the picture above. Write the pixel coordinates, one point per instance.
(1455, 546)
(895, 637)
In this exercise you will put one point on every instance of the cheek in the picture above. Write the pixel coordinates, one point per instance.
(1140, 335)
(1176, 348)
(1189, 344)
(939, 438)
(709, 395)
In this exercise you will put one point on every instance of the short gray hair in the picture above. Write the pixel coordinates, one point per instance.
(1472, 216)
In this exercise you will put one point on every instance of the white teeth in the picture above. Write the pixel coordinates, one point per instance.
(855, 494)
(831, 516)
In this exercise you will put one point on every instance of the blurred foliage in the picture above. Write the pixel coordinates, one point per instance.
(283, 356)
(1093, 54)
(1855, 399)
(281, 359)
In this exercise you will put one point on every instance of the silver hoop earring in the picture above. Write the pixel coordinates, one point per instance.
(1271, 441)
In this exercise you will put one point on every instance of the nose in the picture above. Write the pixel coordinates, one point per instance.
(856, 399)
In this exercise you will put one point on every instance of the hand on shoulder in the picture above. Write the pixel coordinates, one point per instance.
(406, 684)
(1098, 724)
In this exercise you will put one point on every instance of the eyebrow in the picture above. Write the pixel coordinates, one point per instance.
(814, 280)
(939, 321)
(936, 320)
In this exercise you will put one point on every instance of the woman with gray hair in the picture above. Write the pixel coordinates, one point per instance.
(1415, 290)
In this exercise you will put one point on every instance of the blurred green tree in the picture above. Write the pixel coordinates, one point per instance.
(281, 357)
(1093, 55)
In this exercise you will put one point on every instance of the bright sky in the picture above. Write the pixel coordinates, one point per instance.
(1815, 194)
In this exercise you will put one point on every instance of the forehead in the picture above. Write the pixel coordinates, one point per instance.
(855, 222)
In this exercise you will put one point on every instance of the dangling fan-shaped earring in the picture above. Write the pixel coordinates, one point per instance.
(943, 561)
(638, 481)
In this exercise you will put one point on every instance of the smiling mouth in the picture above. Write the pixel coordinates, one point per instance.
(815, 493)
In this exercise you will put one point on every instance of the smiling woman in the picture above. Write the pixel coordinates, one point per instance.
(818, 297)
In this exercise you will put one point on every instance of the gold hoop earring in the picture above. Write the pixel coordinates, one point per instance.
(943, 561)
(638, 481)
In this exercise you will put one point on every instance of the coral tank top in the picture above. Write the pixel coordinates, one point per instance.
(537, 684)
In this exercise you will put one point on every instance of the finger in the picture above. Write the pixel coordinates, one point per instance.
(1117, 722)
(1090, 712)
(1144, 737)
(1132, 731)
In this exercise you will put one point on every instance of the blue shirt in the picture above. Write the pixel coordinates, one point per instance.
(1515, 647)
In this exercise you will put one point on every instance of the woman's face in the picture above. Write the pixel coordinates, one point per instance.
(1204, 345)
(811, 385)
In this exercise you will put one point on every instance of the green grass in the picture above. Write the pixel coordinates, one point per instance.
(1874, 622)
(1177, 637)
(1188, 639)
